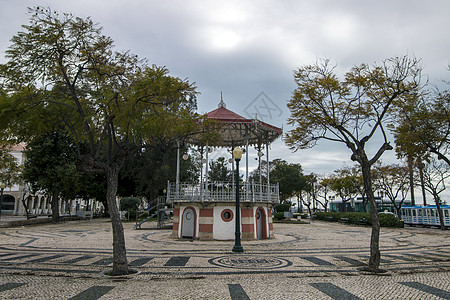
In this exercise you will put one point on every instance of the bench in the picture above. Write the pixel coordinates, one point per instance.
(330, 219)
(362, 222)
(343, 220)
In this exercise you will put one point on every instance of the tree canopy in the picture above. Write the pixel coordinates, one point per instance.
(345, 183)
(393, 181)
(352, 111)
(218, 170)
(50, 167)
(424, 126)
(111, 102)
(290, 178)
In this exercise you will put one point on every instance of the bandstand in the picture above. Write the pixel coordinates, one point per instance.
(207, 210)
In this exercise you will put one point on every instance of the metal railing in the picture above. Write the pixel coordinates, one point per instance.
(222, 192)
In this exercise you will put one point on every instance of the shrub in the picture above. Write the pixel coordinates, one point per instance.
(386, 220)
(132, 214)
(129, 203)
(279, 215)
(283, 207)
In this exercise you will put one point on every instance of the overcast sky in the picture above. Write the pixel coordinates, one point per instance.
(249, 49)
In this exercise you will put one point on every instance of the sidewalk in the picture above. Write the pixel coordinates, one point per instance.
(13, 221)
(304, 261)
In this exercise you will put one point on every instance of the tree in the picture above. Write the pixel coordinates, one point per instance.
(423, 128)
(10, 169)
(289, 177)
(129, 204)
(324, 187)
(393, 180)
(424, 125)
(353, 112)
(218, 171)
(110, 101)
(146, 171)
(310, 191)
(345, 184)
(50, 167)
(436, 173)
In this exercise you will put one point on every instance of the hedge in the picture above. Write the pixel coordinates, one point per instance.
(279, 215)
(386, 220)
(283, 207)
(129, 203)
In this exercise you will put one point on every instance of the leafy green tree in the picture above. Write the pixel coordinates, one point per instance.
(345, 184)
(423, 128)
(407, 142)
(351, 111)
(430, 122)
(218, 170)
(129, 203)
(111, 101)
(93, 186)
(10, 168)
(260, 172)
(146, 172)
(50, 167)
(190, 168)
(290, 178)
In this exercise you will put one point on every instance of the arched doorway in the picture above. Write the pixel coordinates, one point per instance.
(188, 225)
(261, 232)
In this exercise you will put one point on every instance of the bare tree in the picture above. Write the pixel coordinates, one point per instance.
(436, 174)
(352, 112)
(393, 180)
(323, 190)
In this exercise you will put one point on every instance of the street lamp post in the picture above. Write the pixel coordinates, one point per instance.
(237, 155)
(2, 187)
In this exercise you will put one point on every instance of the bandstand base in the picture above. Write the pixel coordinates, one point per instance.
(216, 220)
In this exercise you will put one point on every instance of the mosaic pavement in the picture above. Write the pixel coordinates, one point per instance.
(304, 261)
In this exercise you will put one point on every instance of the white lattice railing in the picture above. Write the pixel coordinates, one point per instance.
(222, 192)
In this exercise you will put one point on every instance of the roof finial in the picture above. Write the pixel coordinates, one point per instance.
(221, 103)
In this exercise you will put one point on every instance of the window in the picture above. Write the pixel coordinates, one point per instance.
(227, 215)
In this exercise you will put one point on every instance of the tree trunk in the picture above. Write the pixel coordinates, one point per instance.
(120, 264)
(411, 180)
(55, 207)
(309, 209)
(422, 183)
(375, 256)
(398, 211)
(308, 206)
(364, 201)
(437, 199)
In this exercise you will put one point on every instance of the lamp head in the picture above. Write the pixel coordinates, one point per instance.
(237, 153)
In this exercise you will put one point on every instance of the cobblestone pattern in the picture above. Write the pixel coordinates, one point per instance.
(420, 286)
(315, 261)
